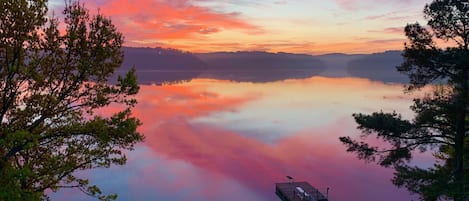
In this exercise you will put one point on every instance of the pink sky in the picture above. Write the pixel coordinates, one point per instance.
(299, 26)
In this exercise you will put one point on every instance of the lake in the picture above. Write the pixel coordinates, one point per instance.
(209, 139)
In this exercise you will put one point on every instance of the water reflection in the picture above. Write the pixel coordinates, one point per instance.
(220, 140)
(164, 77)
(283, 108)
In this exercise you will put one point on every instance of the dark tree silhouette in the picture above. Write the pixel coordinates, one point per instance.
(51, 83)
(442, 120)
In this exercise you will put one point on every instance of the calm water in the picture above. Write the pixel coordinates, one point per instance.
(219, 140)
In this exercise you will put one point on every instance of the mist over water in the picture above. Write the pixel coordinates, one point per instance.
(210, 139)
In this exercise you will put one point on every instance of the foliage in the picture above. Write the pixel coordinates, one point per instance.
(442, 119)
(53, 78)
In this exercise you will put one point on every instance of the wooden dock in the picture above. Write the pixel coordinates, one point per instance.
(298, 191)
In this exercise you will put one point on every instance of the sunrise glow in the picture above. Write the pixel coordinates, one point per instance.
(299, 26)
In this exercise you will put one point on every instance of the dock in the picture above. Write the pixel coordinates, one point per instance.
(298, 191)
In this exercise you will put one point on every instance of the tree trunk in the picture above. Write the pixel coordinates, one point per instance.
(462, 99)
(459, 166)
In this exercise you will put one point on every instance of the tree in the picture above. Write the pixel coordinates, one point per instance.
(442, 120)
(53, 78)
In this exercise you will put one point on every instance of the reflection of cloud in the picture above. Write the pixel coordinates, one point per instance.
(291, 106)
(314, 154)
(170, 101)
(148, 176)
(186, 161)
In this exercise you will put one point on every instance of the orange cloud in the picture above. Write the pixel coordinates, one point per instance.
(159, 20)
(358, 46)
(361, 45)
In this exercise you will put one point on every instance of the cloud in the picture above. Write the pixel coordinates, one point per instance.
(281, 2)
(397, 16)
(209, 46)
(390, 30)
(232, 2)
(160, 20)
(359, 45)
(367, 4)
(274, 46)
(357, 4)
(207, 26)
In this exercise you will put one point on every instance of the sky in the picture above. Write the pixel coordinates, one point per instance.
(296, 26)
